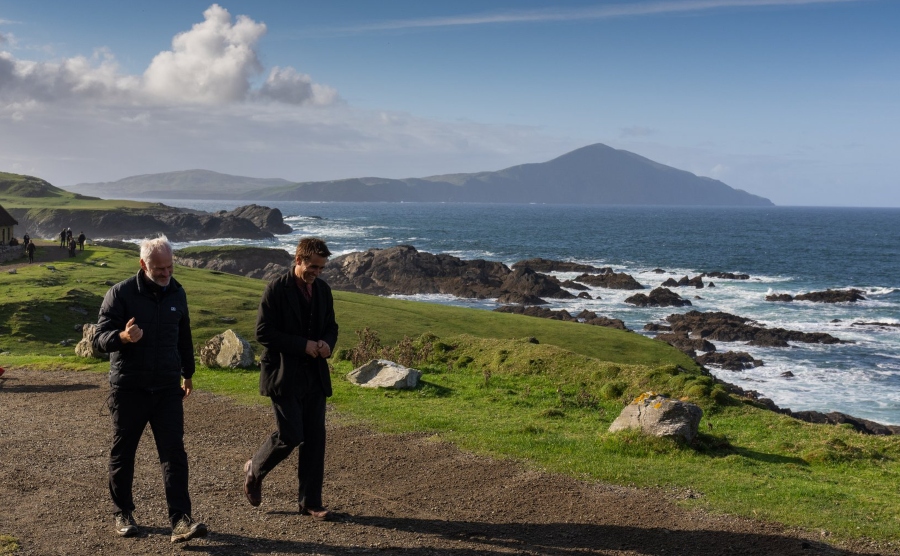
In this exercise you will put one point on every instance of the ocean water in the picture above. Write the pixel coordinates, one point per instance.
(784, 250)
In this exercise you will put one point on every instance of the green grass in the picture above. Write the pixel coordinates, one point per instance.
(488, 388)
(8, 544)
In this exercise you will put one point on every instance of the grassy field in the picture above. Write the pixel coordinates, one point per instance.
(537, 390)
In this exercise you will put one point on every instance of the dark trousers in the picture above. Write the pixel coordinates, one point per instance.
(300, 420)
(131, 411)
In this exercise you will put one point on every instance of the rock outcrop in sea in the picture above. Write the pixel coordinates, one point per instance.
(403, 270)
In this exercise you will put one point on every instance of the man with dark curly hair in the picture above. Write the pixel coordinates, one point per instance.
(296, 326)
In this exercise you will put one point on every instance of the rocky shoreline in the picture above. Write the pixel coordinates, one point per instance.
(247, 222)
(403, 270)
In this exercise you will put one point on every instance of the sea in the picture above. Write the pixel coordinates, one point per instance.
(789, 250)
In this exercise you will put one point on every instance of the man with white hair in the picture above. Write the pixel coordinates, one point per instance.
(145, 327)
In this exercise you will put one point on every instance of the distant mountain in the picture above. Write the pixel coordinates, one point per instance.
(593, 175)
(187, 184)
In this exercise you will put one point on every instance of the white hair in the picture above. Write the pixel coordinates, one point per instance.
(155, 245)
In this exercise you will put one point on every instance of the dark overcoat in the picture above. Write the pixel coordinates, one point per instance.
(281, 328)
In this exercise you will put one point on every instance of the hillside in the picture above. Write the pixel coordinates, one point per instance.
(187, 184)
(596, 175)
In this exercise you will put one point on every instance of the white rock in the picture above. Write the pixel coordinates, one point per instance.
(381, 373)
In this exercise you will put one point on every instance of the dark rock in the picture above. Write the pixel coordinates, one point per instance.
(787, 374)
(255, 262)
(658, 271)
(832, 296)
(696, 282)
(659, 297)
(731, 328)
(726, 275)
(730, 360)
(835, 418)
(885, 325)
(572, 285)
(547, 265)
(268, 219)
(584, 295)
(656, 327)
(611, 280)
(526, 281)
(588, 317)
(670, 283)
(780, 297)
(404, 270)
(685, 343)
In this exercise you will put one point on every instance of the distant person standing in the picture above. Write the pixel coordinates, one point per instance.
(72, 246)
(81, 239)
(29, 250)
(62, 238)
(296, 326)
(25, 239)
(145, 327)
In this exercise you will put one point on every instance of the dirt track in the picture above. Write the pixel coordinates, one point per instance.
(403, 494)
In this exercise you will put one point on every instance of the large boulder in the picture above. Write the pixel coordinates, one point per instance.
(227, 350)
(255, 262)
(85, 348)
(832, 296)
(404, 270)
(730, 360)
(611, 280)
(659, 297)
(658, 415)
(268, 219)
(725, 327)
(381, 373)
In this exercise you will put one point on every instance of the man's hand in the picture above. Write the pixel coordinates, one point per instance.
(188, 386)
(324, 349)
(312, 348)
(132, 332)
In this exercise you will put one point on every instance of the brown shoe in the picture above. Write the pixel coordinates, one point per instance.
(252, 485)
(319, 514)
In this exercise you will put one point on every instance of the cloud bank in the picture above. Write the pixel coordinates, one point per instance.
(214, 63)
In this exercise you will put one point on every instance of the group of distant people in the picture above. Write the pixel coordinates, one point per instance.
(66, 239)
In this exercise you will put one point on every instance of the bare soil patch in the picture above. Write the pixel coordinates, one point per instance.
(394, 494)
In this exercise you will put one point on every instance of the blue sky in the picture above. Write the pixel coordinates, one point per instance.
(794, 100)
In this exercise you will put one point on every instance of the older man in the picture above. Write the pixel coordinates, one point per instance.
(295, 323)
(145, 327)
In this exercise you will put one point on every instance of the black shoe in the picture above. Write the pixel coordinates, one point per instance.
(187, 529)
(252, 485)
(125, 525)
(319, 514)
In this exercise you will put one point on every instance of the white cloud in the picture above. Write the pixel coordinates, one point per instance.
(211, 64)
(292, 87)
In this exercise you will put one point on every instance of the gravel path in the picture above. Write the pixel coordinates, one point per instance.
(394, 494)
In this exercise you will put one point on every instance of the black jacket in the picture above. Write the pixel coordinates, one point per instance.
(279, 329)
(165, 353)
